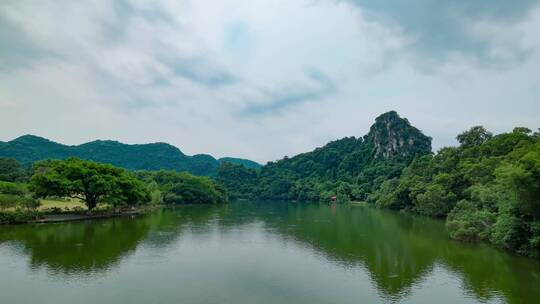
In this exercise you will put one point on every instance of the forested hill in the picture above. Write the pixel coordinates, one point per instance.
(351, 168)
(240, 161)
(487, 188)
(29, 149)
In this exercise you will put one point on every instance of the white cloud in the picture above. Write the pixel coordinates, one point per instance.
(508, 41)
(234, 78)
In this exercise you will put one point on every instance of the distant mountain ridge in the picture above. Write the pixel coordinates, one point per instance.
(28, 149)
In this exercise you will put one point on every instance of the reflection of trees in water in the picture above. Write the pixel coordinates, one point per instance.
(395, 260)
(168, 225)
(487, 272)
(79, 247)
(91, 247)
(400, 251)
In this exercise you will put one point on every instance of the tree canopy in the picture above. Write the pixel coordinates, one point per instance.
(88, 181)
(488, 188)
(11, 170)
(183, 188)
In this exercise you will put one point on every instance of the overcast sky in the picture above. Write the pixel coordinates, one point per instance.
(261, 79)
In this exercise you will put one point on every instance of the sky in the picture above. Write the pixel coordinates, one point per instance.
(263, 79)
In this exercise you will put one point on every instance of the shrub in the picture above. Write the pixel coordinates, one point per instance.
(12, 188)
(467, 222)
(436, 201)
(11, 201)
(7, 201)
(78, 209)
(18, 216)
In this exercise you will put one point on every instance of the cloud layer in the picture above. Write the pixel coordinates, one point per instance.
(263, 79)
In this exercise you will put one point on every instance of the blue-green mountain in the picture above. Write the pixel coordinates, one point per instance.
(28, 149)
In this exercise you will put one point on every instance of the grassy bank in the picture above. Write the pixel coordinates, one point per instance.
(62, 210)
(67, 205)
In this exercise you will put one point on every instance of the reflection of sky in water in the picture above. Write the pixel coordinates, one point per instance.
(265, 254)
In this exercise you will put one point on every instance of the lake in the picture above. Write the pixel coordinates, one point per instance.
(249, 252)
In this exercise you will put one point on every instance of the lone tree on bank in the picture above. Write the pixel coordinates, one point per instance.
(88, 181)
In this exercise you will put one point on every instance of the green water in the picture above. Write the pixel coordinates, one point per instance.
(258, 253)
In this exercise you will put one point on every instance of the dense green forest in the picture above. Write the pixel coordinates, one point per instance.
(22, 188)
(29, 149)
(350, 168)
(487, 188)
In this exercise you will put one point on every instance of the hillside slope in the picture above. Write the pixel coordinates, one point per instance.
(351, 168)
(28, 149)
(240, 161)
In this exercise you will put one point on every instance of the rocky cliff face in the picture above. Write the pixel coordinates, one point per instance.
(394, 137)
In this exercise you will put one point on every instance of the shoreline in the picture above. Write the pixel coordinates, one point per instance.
(44, 218)
(70, 217)
(73, 217)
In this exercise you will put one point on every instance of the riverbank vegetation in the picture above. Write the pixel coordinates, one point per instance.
(86, 187)
(487, 188)
(174, 188)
